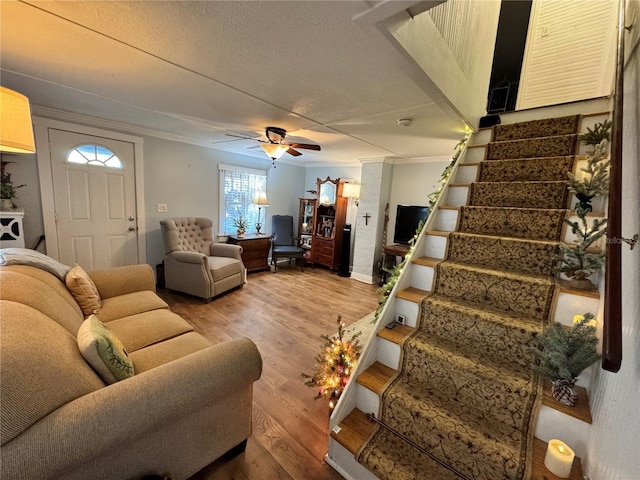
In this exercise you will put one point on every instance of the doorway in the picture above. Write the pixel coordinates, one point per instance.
(91, 190)
(508, 55)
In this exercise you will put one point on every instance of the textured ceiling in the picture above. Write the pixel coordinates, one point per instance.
(199, 70)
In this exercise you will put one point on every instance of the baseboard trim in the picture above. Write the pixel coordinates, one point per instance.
(364, 278)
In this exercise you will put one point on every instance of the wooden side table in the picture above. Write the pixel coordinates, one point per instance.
(255, 250)
(390, 252)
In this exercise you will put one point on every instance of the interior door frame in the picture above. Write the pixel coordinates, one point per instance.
(41, 130)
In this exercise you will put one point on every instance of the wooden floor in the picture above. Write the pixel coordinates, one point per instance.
(284, 313)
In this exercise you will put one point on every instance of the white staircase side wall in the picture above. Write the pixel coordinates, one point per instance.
(481, 137)
(435, 246)
(422, 277)
(475, 155)
(409, 310)
(446, 220)
(457, 196)
(367, 400)
(552, 423)
(343, 462)
(466, 174)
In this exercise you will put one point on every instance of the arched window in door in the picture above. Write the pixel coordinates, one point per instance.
(97, 155)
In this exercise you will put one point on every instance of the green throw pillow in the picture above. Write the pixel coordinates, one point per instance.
(103, 351)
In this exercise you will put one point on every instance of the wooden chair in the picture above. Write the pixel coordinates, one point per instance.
(284, 244)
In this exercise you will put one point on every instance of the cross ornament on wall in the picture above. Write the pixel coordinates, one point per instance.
(366, 217)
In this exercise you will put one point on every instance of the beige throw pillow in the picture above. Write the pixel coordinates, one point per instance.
(83, 290)
(103, 351)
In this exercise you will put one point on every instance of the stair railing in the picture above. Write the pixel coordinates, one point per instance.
(612, 328)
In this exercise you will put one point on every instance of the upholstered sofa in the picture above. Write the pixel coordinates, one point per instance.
(188, 402)
(197, 265)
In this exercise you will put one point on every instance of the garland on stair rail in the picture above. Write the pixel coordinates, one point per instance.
(394, 274)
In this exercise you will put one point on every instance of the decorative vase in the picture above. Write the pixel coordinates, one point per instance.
(564, 391)
(581, 284)
(240, 233)
(585, 202)
(6, 204)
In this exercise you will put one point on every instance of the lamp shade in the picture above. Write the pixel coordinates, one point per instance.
(274, 150)
(351, 190)
(16, 131)
(260, 198)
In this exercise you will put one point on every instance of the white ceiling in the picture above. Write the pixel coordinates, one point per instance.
(195, 71)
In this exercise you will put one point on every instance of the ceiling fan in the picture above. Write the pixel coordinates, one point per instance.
(275, 146)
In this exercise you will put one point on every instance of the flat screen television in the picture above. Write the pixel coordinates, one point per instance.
(407, 219)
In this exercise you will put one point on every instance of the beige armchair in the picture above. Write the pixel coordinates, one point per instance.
(194, 263)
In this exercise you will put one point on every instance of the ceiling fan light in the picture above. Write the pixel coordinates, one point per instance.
(274, 150)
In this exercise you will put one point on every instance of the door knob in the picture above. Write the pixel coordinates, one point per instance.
(132, 229)
(131, 219)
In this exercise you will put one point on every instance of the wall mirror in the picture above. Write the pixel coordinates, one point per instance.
(328, 191)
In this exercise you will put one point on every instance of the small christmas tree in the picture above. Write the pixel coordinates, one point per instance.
(601, 131)
(578, 262)
(564, 353)
(594, 183)
(336, 362)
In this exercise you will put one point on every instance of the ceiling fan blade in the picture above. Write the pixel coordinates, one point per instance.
(245, 138)
(308, 146)
(293, 152)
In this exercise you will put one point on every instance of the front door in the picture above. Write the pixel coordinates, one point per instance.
(94, 200)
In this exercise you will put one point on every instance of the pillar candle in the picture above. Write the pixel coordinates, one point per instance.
(559, 458)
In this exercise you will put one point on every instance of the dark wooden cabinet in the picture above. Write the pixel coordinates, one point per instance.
(328, 222)
(305, 227)
(255, 250)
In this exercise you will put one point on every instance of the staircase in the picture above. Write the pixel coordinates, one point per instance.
(491, 205)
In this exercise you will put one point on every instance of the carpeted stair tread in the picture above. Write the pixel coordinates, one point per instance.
(519, 194)
(499, 337)
(536, 128)
(431, 406)
(531, 223)
(386, 464)
(517, 293)
(548, 169)
(472, 364)
(561, 145)
(490, 251)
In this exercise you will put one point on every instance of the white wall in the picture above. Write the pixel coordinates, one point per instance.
(186, 178)
(411, 185)
(570, 52)
(614, 444)
(453, 45)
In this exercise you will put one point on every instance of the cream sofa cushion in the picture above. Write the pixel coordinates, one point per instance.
(41, 368)
(27, 285)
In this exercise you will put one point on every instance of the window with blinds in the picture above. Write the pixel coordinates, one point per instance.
(238, 186)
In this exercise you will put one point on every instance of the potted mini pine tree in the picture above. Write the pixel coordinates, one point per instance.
(564, 353)
(7, 188)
